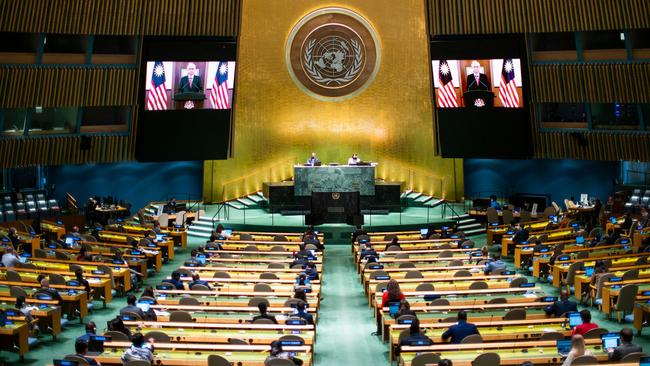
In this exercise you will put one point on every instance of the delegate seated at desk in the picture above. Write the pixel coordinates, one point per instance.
(313, 160)
(190, 83)
(354, 160)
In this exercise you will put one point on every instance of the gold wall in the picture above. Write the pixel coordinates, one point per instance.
(277, 125)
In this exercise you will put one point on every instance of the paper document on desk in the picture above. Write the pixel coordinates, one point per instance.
(530, 296)
(161, 312)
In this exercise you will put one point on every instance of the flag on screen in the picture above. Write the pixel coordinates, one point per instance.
(157, 99)
(507, 88)
(446, 91)
(219, 93)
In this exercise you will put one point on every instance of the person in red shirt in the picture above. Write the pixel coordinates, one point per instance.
(392, 293)
(586, 325)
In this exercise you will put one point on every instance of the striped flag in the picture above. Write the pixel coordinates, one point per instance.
(219, 93)
(446, 92)
(157, 99)
(507, 88)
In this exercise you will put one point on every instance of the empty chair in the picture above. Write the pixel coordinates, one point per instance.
(413, 274)
(463, 273)
(292, 303)
(221, 274)
(402, 256)
(263, 321)
(378, 273)
(130, 314)
(158, 336)
(478, 285)
(551, 336)
(487, 359)
(16, 291)
(472, 338)
(425, 359)
(515, 314)
(363, 237)
(633, 357)
(394, 248)
(279, 362)
(278, 248)
(56, 279)
(262, 287)
(498, 300)
(280, 238)
(74, 267)
(188, 300)
(254, 302)
(237, 341)
(631, 274)
(180, 219)
(117, 336)
(276, 266)
(585, 360)
(507, 216)
(381, 286)
(543, 238)
(13, 276)
(499, 271)
(80, 361)
(251, 248)
(492, 215)
(525, 216)
(268, 276)
(439, 302)
(180, 316)
(455, 263)
(61, 256)
(292, 338)
(625, 300)
(518, 281)
(449, 319)
(216, 360)
(137, 363)
(405, 319)
(468, 244)
(446, 254)
(246, 237)
(389, 237)
(595, 333)
(40, 253)
(163, 219)
(199, 287)
(407, 265)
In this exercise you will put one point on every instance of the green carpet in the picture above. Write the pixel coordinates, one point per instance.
(343, 331)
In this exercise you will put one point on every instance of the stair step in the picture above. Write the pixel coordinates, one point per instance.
(236, 205)
(465, 221)
(460, 217)
(414, 195)
(198, 234)
(423, 199)
(245, 201)
(200, 228)
(435, 202)
(475, 232)
(470, 226)
(255, 198)
(406, 193)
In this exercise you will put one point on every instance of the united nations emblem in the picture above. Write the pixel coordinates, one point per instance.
(332, 54)
(336, 196)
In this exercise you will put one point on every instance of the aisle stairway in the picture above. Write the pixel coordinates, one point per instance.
(203, 226)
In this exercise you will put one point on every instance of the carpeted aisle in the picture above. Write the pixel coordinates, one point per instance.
(345, 320)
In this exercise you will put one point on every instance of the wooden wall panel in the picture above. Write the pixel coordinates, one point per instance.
(595, 146)
(123, 17)
(66, 86)
(59, 150)
(448, 17)
(622, 82)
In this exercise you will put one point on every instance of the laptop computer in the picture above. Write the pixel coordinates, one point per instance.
(611, 340)
(69, 240)
(613, 220)
(393, 308)
(424, 232)
(227, 231)
(200, 258)
(563, 347)
(160, 237)
(589, 271)
(580, 239)
(574, 319)
(65, 363)
(143, 305)
(96, 344)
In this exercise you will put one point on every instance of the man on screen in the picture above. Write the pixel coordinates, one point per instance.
(191, 82)
(476, 80)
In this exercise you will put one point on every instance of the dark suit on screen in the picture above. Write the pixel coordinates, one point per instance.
(184, 85)
(483, 83)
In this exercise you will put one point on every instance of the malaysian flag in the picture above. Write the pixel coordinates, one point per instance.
(446, 91)
(507, 88)
(157, 99)
(219, 93)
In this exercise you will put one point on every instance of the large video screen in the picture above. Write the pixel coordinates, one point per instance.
(189, 85)
(187, 95)
(478, 83)
(480, 91)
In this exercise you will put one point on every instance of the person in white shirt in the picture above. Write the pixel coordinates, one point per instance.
(10, 259)
(577, 349)
(354, 159)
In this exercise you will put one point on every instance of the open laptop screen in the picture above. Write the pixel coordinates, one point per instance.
(574, 319)
(563, 346)
(611, 340)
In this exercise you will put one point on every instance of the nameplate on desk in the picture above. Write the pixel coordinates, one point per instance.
(527, 285)
(548, 299)
(510, 232)
(97, 272)
(563, 258)
(382, 278)
(404, 321)
(10, 312)
(543, 250)
(376, 266)
(615, 279)
(163, 287)
(467, 247)
(289, 343)
(136, 252)
(127, 318)
(624, 241)
(72, 283)
(645, 293)
(296, 322)
(508, 273)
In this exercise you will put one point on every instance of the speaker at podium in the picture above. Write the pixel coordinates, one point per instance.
(189, 100)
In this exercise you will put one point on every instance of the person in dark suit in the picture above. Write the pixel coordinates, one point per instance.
(460, 330)
(415, 336)
(263, 315)
(625, 348)
(191, 83)
(196, 280)
(130, 307)
(302, 313)
(562, 306)
(476, 80)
